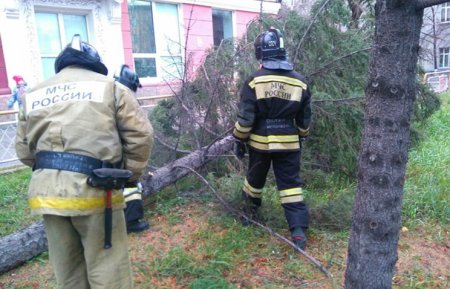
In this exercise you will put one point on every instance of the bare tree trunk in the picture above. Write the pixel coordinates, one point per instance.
(390, 93)
(170, 173)
(17, 248)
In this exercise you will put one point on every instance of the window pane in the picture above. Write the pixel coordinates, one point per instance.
(141, 22)
(48, 66)
(48, 33)
(75, 24)
(145, 67)
(444, 57)
(222, 25)
(172, 67)
(169, 33)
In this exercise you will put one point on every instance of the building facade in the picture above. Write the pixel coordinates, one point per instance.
(435, 46)
(153, 37)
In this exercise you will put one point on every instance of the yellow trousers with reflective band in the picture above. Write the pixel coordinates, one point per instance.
(77, 255)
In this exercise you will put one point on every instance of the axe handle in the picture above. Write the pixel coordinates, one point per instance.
(108, 219)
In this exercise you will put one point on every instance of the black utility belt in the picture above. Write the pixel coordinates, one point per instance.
(70, 162)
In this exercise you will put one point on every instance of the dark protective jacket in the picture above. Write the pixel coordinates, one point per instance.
(274, 110)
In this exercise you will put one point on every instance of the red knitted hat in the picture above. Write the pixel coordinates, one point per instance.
(17, 79)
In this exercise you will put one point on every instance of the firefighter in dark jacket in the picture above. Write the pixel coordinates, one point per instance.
(134, 205)
(274, 117)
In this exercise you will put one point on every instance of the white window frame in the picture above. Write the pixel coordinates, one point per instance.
(444, 57)
(59, 13)
(158, 31)
(445, 9)
(233, 22)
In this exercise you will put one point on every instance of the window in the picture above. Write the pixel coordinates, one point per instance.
(54, 31)
(222, 26)
(445, 12)
(155, 34)
(292, 3)
(444, 57)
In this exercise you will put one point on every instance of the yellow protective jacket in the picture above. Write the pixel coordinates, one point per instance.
(82, 112)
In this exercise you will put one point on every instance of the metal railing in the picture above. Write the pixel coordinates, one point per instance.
(8, 155)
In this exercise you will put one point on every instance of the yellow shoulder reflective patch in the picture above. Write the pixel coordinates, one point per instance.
(65, 92)
(279, 78)
(288, 88)
(252, 84)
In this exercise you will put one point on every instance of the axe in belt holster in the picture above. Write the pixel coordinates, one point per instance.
(109, 179)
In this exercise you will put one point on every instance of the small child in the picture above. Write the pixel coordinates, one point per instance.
(14, 102)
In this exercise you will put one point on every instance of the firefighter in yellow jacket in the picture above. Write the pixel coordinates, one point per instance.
(70, 124)
(274, 116)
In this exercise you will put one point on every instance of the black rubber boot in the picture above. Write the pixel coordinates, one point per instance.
(137, 226)
(299, 237)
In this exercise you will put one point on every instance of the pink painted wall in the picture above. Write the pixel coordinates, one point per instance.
(198, 32)
(126, 36)
(243, 18)
(4, 89)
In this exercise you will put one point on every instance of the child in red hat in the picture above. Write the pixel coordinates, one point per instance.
(21, 87)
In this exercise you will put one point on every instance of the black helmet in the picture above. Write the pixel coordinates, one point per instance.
(269, 44)
(128, 78)
(269, 48)
(80, 53)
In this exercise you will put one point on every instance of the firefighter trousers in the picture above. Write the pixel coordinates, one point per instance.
(77, 255)
(286, 168)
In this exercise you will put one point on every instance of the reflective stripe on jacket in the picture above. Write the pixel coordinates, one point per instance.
(82, 112)
(274, 110)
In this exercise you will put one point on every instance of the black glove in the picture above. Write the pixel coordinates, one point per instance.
(239, 149)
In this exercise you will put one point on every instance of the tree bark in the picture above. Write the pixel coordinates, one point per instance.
(22, 246)
(170, 173)
(390, 93)
(17, 248)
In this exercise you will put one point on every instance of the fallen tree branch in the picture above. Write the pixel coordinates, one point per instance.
(168, 174)
(19, 247)
(240, 214)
